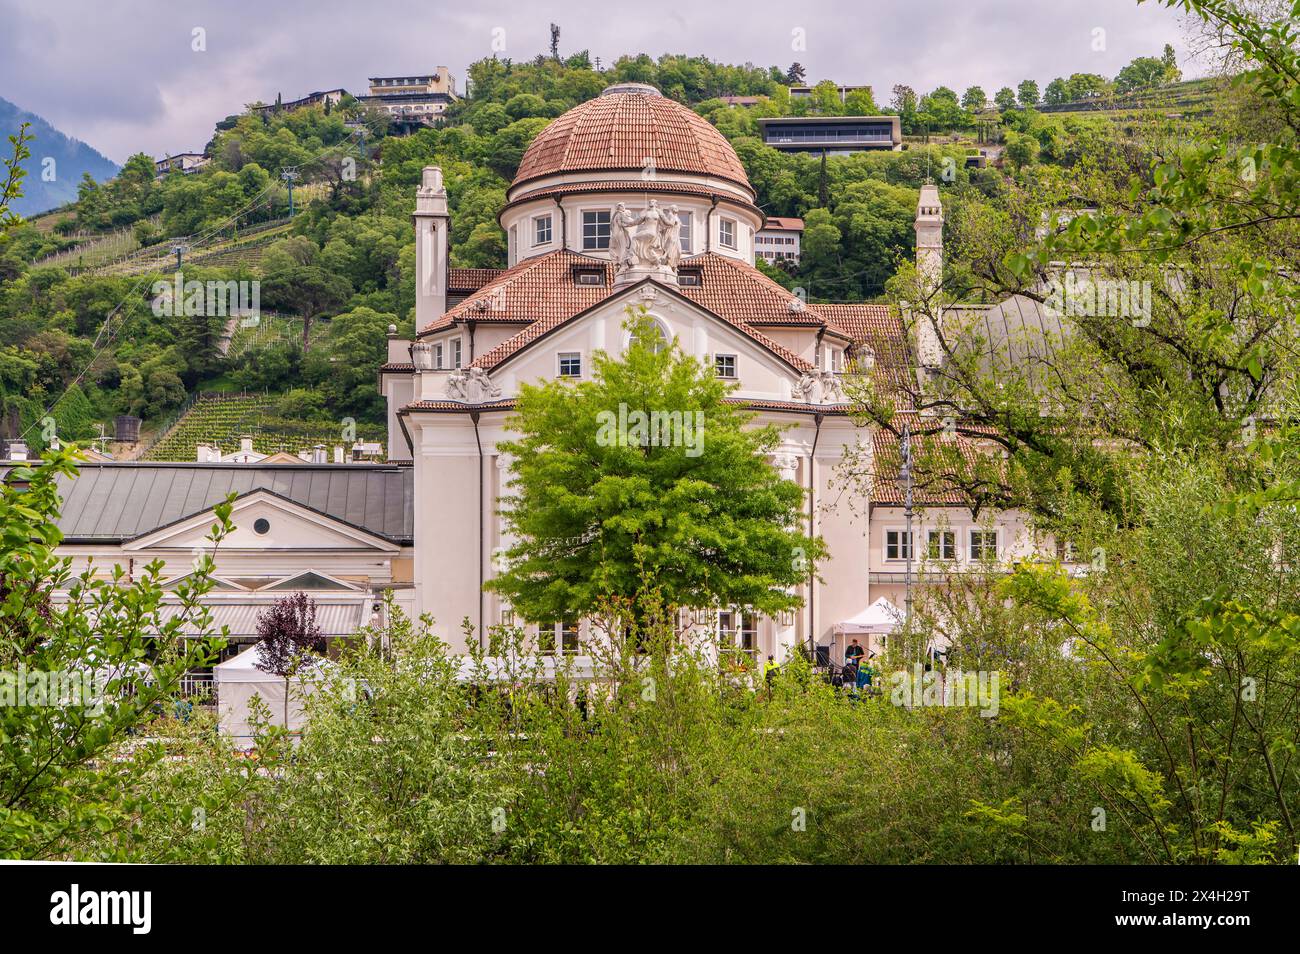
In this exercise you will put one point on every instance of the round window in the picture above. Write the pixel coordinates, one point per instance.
(261, 525)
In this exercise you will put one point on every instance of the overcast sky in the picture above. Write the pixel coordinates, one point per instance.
(125, 77)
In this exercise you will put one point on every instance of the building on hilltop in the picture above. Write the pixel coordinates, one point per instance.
(180, 162)
(412, 102)
(806, 92)
(326, 98)
(832, 135)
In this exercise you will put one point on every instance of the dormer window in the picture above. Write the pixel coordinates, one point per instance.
(689, 276)
(588, 275)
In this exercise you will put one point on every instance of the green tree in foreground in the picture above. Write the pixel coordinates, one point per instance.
(85, 662)
(645, 479)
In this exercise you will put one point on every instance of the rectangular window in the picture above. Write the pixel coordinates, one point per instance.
(725, 365)
(437, 356)
(455, 352)
(542, 230)
(942, 545)
(983, 544)
(569, 636)
(595, 231)
(684, 235)
(737, 630)
(898, 544)
(570, 364)
(563, 634)
(727, 233)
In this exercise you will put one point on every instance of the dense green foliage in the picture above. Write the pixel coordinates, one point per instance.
(607, 506)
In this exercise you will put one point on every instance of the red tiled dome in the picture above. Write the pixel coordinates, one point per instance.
(622, 128)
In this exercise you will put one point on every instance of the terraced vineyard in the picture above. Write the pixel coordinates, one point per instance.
(248, 246)
(269, 328)
(221, 419)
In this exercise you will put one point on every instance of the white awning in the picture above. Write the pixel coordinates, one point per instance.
(881, 617)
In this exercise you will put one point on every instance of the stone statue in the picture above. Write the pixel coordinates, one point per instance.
(645, 240)
(818, 387)
(670, 242)
(481, 386)
(471, 385)
(646, 243)
(620, 236)
(804, 388)
(456, 382)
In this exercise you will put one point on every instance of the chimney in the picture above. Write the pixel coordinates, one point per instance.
(318, 454)
(338, 453)
(201, 453)
(431, 224)
(929, 263)
(246, 444)
(929, 236)
(17, 450)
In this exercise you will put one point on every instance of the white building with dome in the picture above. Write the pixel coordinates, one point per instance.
(589, 218)
(629, 199)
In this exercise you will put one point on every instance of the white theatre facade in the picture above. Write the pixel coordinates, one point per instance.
(632, 200)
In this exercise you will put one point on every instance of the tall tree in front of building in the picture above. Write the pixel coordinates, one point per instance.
(87, 662)
(646, 488)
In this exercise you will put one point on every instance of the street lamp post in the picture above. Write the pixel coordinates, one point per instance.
(905, 474)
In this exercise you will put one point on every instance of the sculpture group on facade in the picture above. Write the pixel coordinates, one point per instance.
(649, 239)
(472, 385)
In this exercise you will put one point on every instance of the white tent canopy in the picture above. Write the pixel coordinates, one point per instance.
(239, 679)
(880, 618)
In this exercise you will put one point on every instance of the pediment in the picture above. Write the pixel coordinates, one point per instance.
(263, 521)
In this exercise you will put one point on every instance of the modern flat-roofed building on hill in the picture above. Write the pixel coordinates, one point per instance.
(805, 92)
(832, 134)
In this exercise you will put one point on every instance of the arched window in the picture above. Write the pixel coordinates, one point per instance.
(656, 334)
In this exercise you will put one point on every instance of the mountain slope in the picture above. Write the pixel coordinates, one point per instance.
(71, 158)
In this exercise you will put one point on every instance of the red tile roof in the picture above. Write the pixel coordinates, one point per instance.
(741, 292)
(940, 461)
(541, 292)
(537, 289)
(470, 279)
(622, 130)
(860, 320)
(776, 223)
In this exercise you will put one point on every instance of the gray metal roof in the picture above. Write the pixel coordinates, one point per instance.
(108, 503)
(1014, 338)
(333, 618)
